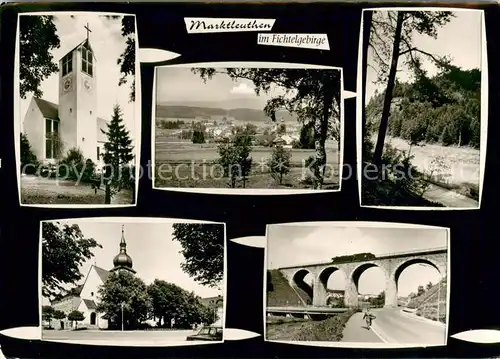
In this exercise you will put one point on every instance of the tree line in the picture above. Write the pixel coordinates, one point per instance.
(443, 109)
(125, 296)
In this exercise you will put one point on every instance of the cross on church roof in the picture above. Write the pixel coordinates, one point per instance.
(88, 30)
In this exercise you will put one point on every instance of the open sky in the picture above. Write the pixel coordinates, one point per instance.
(154, 253)
(290, 245)
(108, 44)
(180, 85)
(460, 39)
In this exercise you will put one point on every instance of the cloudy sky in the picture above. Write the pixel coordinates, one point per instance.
(154, 254)
(460, 38)
(108, 44)
(294, 245)
(179, 84)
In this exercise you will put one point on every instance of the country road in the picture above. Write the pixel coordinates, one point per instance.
(356, 331)
(394, 327)
(449, 198)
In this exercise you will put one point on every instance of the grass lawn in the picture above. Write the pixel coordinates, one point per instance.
(207, 176)
(39, 190)
(188, 165)
(295, 329)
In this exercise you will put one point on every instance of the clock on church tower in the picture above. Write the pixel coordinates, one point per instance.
(78, 98)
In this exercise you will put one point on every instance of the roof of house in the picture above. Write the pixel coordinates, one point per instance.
(51, 110)
(210, 301)
(90, 304)
(48, 109)
(102, 273)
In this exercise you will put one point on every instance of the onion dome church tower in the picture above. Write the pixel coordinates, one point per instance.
(122, 261)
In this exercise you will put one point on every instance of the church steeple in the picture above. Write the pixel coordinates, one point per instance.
(122, 261)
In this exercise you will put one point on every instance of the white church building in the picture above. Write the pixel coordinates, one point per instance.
(73, 122)
(84, 297)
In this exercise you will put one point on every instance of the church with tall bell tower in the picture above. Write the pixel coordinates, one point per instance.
(84, 298)
(53, 129)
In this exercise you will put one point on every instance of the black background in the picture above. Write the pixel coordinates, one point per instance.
(473, 233)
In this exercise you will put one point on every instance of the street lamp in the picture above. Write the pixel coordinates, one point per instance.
(122, 314)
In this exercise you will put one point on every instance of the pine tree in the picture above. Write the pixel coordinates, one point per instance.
(117, 154)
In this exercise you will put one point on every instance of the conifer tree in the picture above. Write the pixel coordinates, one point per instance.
(117, 155)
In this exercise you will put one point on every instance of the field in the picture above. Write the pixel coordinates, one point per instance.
(184, 164)
(456, 165)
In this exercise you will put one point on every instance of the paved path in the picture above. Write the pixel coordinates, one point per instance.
(393, 326)
(166, 337)
(449, 198)
(356, 331)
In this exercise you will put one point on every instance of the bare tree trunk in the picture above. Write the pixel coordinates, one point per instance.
(321, 132)
(384, 120)
(367, 24)
(107, 195)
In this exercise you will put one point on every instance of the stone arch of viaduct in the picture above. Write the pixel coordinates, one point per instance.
(392, 266)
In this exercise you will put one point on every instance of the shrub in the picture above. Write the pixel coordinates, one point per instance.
(198, 137)
(397, 182)
(296, 144)
(330, 329)
(75, 167)
(128, 177)
(29, 162)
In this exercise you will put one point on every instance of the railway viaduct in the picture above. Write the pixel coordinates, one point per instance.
(391, 264)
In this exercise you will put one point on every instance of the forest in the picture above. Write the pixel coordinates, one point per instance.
(443, 109)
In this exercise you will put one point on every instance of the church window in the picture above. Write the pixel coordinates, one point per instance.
(51, 136)
(67, 64)
(91, 294)
(98, 152)
(87, 61)
(70, 110)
